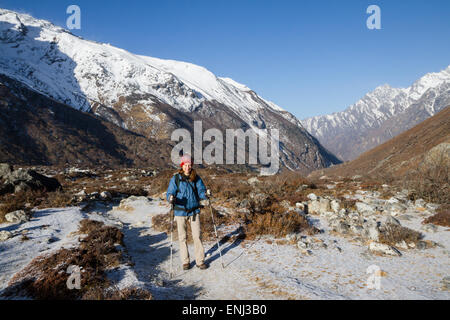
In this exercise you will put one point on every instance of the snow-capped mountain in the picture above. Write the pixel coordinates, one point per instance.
(146, 95)
(381, 115)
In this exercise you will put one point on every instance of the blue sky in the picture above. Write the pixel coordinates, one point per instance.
(309, 57)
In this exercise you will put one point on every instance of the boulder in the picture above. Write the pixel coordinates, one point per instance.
(371, 231)
(319, 206)
(105, 195)
(5, 169)
(384, 249)
(392, 220)
(259, 201)
(312, 196)
(431, 228)
(17, 216)
(364, 208)
(26, 179)
(5, 235)
(335, 206)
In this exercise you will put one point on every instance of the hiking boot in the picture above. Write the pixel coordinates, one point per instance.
(202, 266)
(186, 266)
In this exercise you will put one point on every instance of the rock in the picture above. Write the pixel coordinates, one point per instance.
(302, 245)
(432, 206)
(5, 235)
(306, 252)
(392, 200)
(384, 249)
(373, 233)
(394, 209)
(81, 193)
(411, 245)
(253, 180)
(371, 230)
(431, 228)
(319, 206)
(105, 195)
(357, 229)
(421, 245)
(244, 204)
(259, 201)
(335, 206)
(420, 203)
(130, 203)
(17, 216)
(445, 284)
(5, 169)
(402, 244)
(341, 227)
(22, 180)
(312, 196)
(364, 208)
(355, 177)
(392, 220)
(291, 237)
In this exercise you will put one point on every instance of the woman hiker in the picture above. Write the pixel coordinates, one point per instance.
(187, 192)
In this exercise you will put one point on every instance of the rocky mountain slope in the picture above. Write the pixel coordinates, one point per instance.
(35, 129)
(427, 142)
(381, 115)
(146, 95)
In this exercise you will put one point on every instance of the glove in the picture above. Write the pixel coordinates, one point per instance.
(208, 193)
(171, 198)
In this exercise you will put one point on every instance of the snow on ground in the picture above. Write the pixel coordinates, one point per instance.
(48, 230)
(259, 269)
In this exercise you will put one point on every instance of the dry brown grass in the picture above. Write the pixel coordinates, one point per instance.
(27, 200)
(45, 277)
(392, 234)
(441, 218)
(276, 224)
(431, 180)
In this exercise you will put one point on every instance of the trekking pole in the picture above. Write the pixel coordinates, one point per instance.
(215, 230)
(171, 239)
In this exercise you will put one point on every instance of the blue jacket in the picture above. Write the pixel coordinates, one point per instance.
(185, 197)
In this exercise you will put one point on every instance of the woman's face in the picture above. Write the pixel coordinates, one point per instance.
(187, 168)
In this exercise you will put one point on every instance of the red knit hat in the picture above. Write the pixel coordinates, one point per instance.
(185, 159)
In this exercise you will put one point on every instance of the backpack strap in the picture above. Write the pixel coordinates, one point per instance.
(178, 177)
(177, 181)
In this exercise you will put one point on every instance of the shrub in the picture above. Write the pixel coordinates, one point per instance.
(441, 218)
(431, 180)
(392, 234)
(276, 224)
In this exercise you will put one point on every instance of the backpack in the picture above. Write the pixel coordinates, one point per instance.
(178, 178)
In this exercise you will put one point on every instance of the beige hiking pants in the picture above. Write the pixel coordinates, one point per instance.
(182, 238)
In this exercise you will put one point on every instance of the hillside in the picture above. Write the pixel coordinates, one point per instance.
(401, 154)
(35, 129)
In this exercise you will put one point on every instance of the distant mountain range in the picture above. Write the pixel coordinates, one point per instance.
(381, 115)
(425, 145)
(147, 96)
